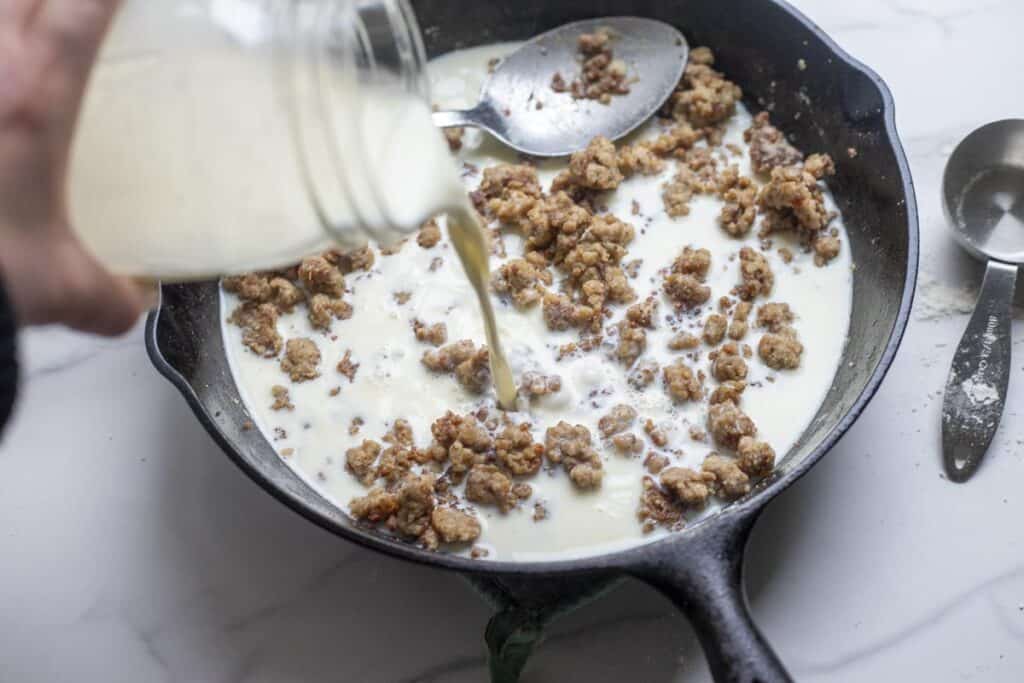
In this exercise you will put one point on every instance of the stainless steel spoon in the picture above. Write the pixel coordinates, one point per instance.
(983, 193)
(655, 55)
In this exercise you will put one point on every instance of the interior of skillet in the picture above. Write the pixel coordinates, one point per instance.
(827, 106)
(818, 101)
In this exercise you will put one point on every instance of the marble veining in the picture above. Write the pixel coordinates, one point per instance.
(134, 551)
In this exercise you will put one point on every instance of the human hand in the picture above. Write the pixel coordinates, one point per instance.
(47, 49)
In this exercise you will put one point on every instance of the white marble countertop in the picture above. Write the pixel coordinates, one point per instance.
(134, 551)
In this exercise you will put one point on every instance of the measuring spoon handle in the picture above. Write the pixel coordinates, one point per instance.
(976, 388)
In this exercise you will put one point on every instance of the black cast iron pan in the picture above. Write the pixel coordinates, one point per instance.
(829, 103)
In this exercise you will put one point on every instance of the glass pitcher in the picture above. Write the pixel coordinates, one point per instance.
(223, 136)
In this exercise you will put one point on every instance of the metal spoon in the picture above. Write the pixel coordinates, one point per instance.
(983, 193)
(518, 106)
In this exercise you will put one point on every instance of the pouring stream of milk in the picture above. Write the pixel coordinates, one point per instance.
(192, 161)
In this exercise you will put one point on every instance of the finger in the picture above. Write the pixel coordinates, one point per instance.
(76, 25)
(17, 14)
(105, 305)
(150, 290)
(128, 303)
(58, 281)
(72, 31)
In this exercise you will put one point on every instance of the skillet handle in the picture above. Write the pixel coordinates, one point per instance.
(704, 578)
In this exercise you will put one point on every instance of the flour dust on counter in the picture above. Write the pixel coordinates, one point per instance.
(674, 308)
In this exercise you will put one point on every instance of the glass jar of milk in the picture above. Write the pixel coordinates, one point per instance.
(222, 136)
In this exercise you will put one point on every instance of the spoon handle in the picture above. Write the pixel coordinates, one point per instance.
(976, 388)
(482, 115)
(455, 118)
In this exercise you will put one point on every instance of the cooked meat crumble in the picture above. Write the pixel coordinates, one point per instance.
(774, 316)
(455, 526)
(780, 351)
(523, 281)
(300, 361)
(728, 424)
(435, 335)
(619, 419)
(704, 96)
(682, 383)
(347, 368)
(487, 485)
(768, 146)
(727, 364)
(729, 481)
(569, 445)
(319, 276)
(429, 235)
(259, 328)
(692, 489)
(465, 360)
(714, 329)
(517, 451)
(756, 277)
(282, 401)
(756, 458)
(594, 168)
(601, 76)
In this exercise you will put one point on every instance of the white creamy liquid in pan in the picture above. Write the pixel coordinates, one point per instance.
(392, 383)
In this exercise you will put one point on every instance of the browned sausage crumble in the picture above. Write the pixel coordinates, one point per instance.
(601, 75)
(683, 283)
(300, 361)
(756, 277)
(535, 384)
(429, 234)
(282, 401)
(569, 446)
(467, 362)
(682, 383)
(704, 97)
(781, 351)
(347, 368)
(435, 335)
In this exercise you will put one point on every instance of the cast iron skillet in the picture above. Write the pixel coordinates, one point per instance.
(831, 105)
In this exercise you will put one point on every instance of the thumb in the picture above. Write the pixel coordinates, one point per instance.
(55, 280)
(101, 303)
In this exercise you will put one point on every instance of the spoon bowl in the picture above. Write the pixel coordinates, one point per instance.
(519, 107)
(983, 196)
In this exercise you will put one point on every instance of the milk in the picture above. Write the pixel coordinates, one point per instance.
(393, 383)
(206, 147)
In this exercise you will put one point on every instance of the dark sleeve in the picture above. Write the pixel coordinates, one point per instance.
(8, 358)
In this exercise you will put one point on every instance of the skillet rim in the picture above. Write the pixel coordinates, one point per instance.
(621, 560)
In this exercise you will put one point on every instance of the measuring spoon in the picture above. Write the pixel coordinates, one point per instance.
(983, 196)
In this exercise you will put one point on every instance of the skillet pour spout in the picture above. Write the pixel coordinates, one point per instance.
(830, 103)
